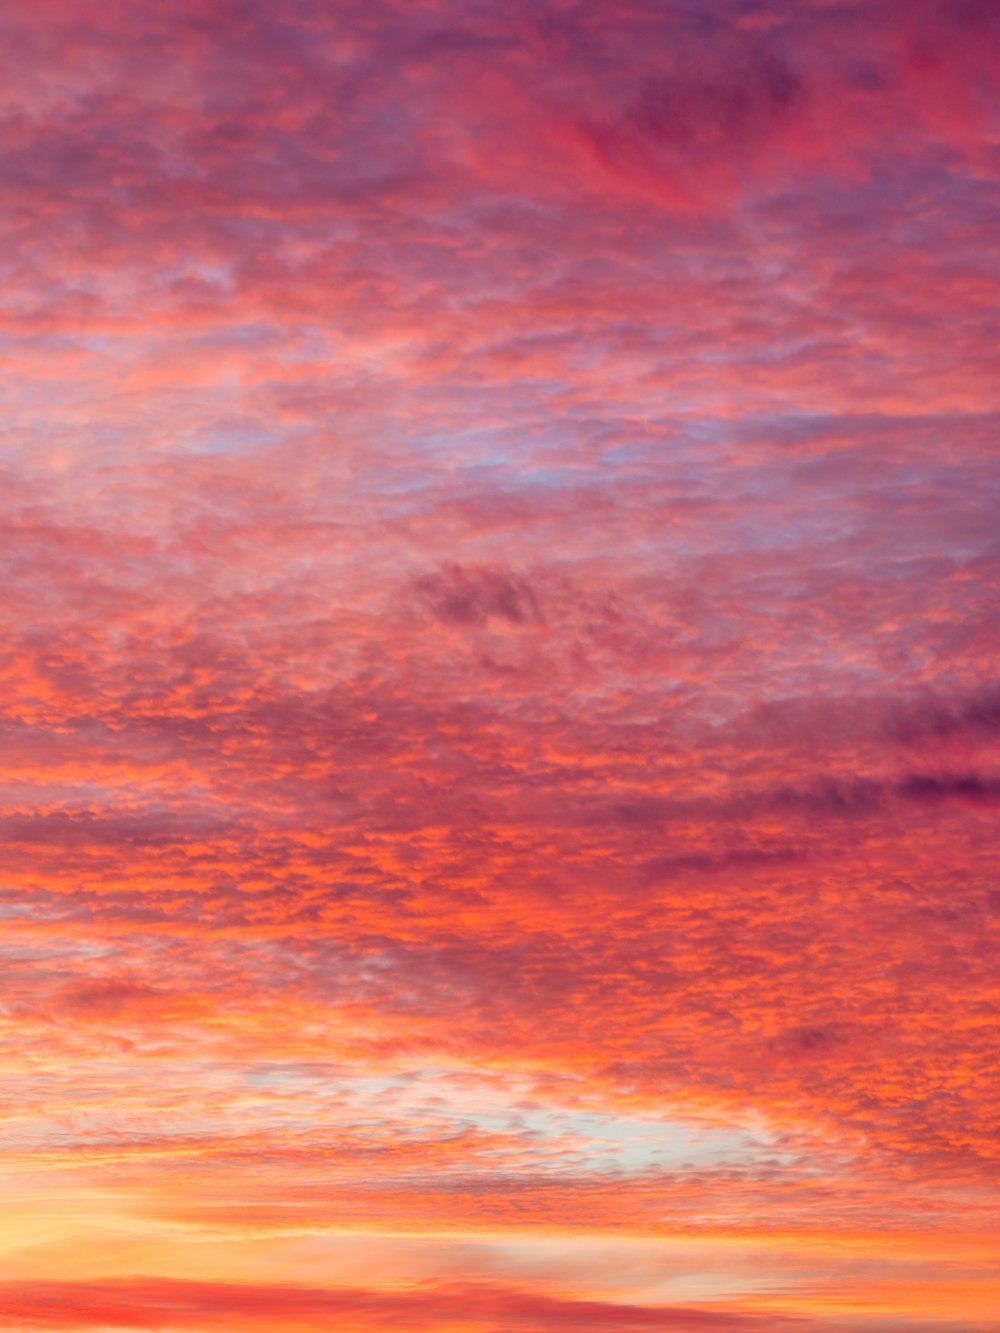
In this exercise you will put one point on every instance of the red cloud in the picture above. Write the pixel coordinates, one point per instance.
(499, 640)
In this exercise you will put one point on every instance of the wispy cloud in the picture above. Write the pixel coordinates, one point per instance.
(500, 702)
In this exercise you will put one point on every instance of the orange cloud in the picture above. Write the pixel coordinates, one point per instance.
(499, 707)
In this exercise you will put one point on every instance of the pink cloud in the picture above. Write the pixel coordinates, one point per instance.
(499, 587)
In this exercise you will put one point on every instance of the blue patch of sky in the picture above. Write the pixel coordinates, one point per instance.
(443, 1104)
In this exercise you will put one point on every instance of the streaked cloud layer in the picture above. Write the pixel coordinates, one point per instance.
(500, 703)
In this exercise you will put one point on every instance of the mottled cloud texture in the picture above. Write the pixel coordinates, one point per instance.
(500, 666)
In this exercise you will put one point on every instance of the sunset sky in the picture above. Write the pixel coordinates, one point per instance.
(500, 785)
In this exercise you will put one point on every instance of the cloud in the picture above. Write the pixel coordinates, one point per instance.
(148, 1303)
(473, 597)
(499, 648)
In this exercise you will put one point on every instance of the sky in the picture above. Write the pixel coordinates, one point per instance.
(499, 774)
